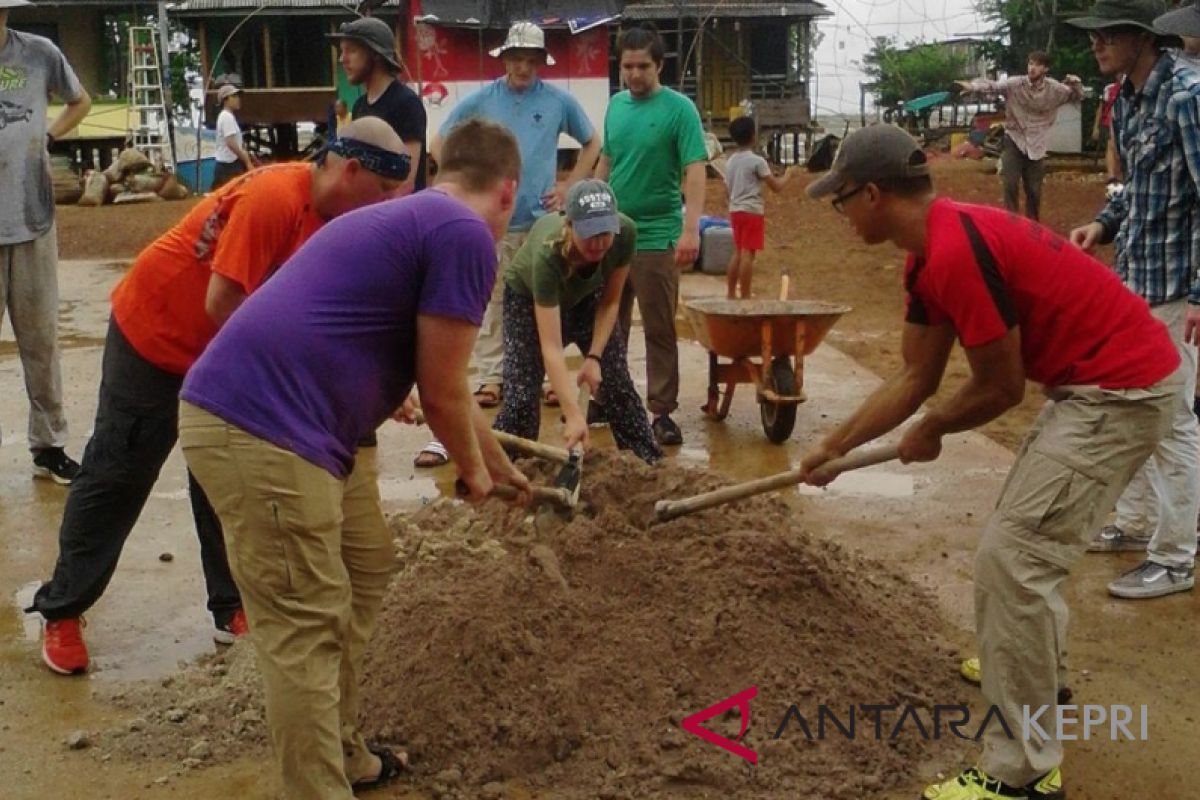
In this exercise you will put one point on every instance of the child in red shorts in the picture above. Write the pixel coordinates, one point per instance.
(745, 173)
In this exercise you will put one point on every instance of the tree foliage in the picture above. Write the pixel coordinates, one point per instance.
(1022, 26)
(900, 74)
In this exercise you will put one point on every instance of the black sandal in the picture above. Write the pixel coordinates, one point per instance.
(391, 766)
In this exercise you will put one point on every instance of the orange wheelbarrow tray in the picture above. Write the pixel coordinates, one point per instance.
(766, 342)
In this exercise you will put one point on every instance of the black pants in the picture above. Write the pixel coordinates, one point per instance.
(1018, 168)
(224, 172)
(521, 413)
(135, 430)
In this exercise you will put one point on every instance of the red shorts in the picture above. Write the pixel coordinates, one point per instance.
(748, 230)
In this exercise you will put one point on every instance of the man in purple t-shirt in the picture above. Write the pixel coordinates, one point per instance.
(319, 357)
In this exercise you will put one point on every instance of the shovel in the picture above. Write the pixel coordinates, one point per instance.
(665, 510)
(559, 455)
(570, 477)
(542, 495)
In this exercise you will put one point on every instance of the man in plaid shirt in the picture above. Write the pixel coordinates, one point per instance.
(1155, 225)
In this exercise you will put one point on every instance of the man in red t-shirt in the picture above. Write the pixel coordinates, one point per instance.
(1025, 305)
(170, 304)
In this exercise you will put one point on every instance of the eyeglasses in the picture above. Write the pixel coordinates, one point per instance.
(1108, 36)
(839, 201)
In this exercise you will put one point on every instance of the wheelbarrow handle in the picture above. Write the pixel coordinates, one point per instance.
(665, 510)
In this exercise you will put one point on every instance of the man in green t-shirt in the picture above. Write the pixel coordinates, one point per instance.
(653, 143)
(564, 286)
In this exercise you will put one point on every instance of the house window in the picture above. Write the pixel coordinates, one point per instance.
(244, 55)
(299, 52)
(769, 50)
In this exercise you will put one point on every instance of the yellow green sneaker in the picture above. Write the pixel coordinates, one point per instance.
(974, 784)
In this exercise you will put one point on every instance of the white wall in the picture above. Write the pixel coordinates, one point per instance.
(1067, 134)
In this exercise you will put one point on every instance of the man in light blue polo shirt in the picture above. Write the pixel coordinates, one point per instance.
(536, 113)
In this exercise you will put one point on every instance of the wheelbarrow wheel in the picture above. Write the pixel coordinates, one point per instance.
(779, 419)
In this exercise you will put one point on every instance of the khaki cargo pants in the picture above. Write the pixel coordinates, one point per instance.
(312, 556)
(488, 356)
(1078, 457)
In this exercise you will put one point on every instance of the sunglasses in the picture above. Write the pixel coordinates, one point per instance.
(839, 201)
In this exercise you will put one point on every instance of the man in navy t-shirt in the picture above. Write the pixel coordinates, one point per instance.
(319, 357)
(367, 52)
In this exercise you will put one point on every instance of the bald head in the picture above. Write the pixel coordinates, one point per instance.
(373, 131)
(360, 167)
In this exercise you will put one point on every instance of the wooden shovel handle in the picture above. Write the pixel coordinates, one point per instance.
(541, 494)
(532, 448)
(670, 509)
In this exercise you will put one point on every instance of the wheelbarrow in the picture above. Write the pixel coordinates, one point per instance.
(766, 342)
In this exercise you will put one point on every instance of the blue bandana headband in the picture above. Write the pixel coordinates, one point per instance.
(382, 162)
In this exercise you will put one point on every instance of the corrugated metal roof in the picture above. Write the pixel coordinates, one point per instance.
(501, 13)
(192, 6)
(657, 9)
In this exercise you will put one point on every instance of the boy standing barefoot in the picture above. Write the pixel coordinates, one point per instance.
(745, 173)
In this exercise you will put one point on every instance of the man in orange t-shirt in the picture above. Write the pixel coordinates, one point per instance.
(170, 304)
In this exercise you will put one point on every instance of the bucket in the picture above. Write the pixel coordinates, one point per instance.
(186, 172)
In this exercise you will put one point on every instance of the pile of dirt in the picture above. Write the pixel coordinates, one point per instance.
(210, 712)
(564, 654)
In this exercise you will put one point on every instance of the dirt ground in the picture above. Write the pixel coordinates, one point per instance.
(920, 522)
(808, 239)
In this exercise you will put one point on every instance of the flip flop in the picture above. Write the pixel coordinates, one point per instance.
(487, 396)
(433, 454)
(391, 766)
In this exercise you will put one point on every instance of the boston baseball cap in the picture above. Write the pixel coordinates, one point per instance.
(592, 209)
(372, 32)
(870, 155)
(1183, 21)
(1121, 14)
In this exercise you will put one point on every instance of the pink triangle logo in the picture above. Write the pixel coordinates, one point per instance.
(741, 701)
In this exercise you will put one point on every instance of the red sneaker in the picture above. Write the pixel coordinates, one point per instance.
(63, 648)
(233, 630)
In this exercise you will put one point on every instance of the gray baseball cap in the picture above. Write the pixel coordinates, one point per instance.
(1183, 21)
(872, 154)
(1121, 14)
(592, 209)
(372, 32)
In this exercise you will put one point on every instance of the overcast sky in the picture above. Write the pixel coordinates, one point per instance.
(849, 32)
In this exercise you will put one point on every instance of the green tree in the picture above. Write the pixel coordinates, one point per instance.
(899, 74)
(1022, 26)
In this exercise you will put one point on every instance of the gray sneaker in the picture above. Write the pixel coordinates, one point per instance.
(1152, 580)
(1112, 539)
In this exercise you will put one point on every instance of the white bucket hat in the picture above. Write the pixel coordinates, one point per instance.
(522, 36)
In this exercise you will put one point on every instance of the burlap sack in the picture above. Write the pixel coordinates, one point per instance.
(173, 189)
(95, 190)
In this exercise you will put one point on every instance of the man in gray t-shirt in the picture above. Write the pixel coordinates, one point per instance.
(31, 70)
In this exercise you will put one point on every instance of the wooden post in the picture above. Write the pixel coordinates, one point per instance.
(266, 44)
(700, 69)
